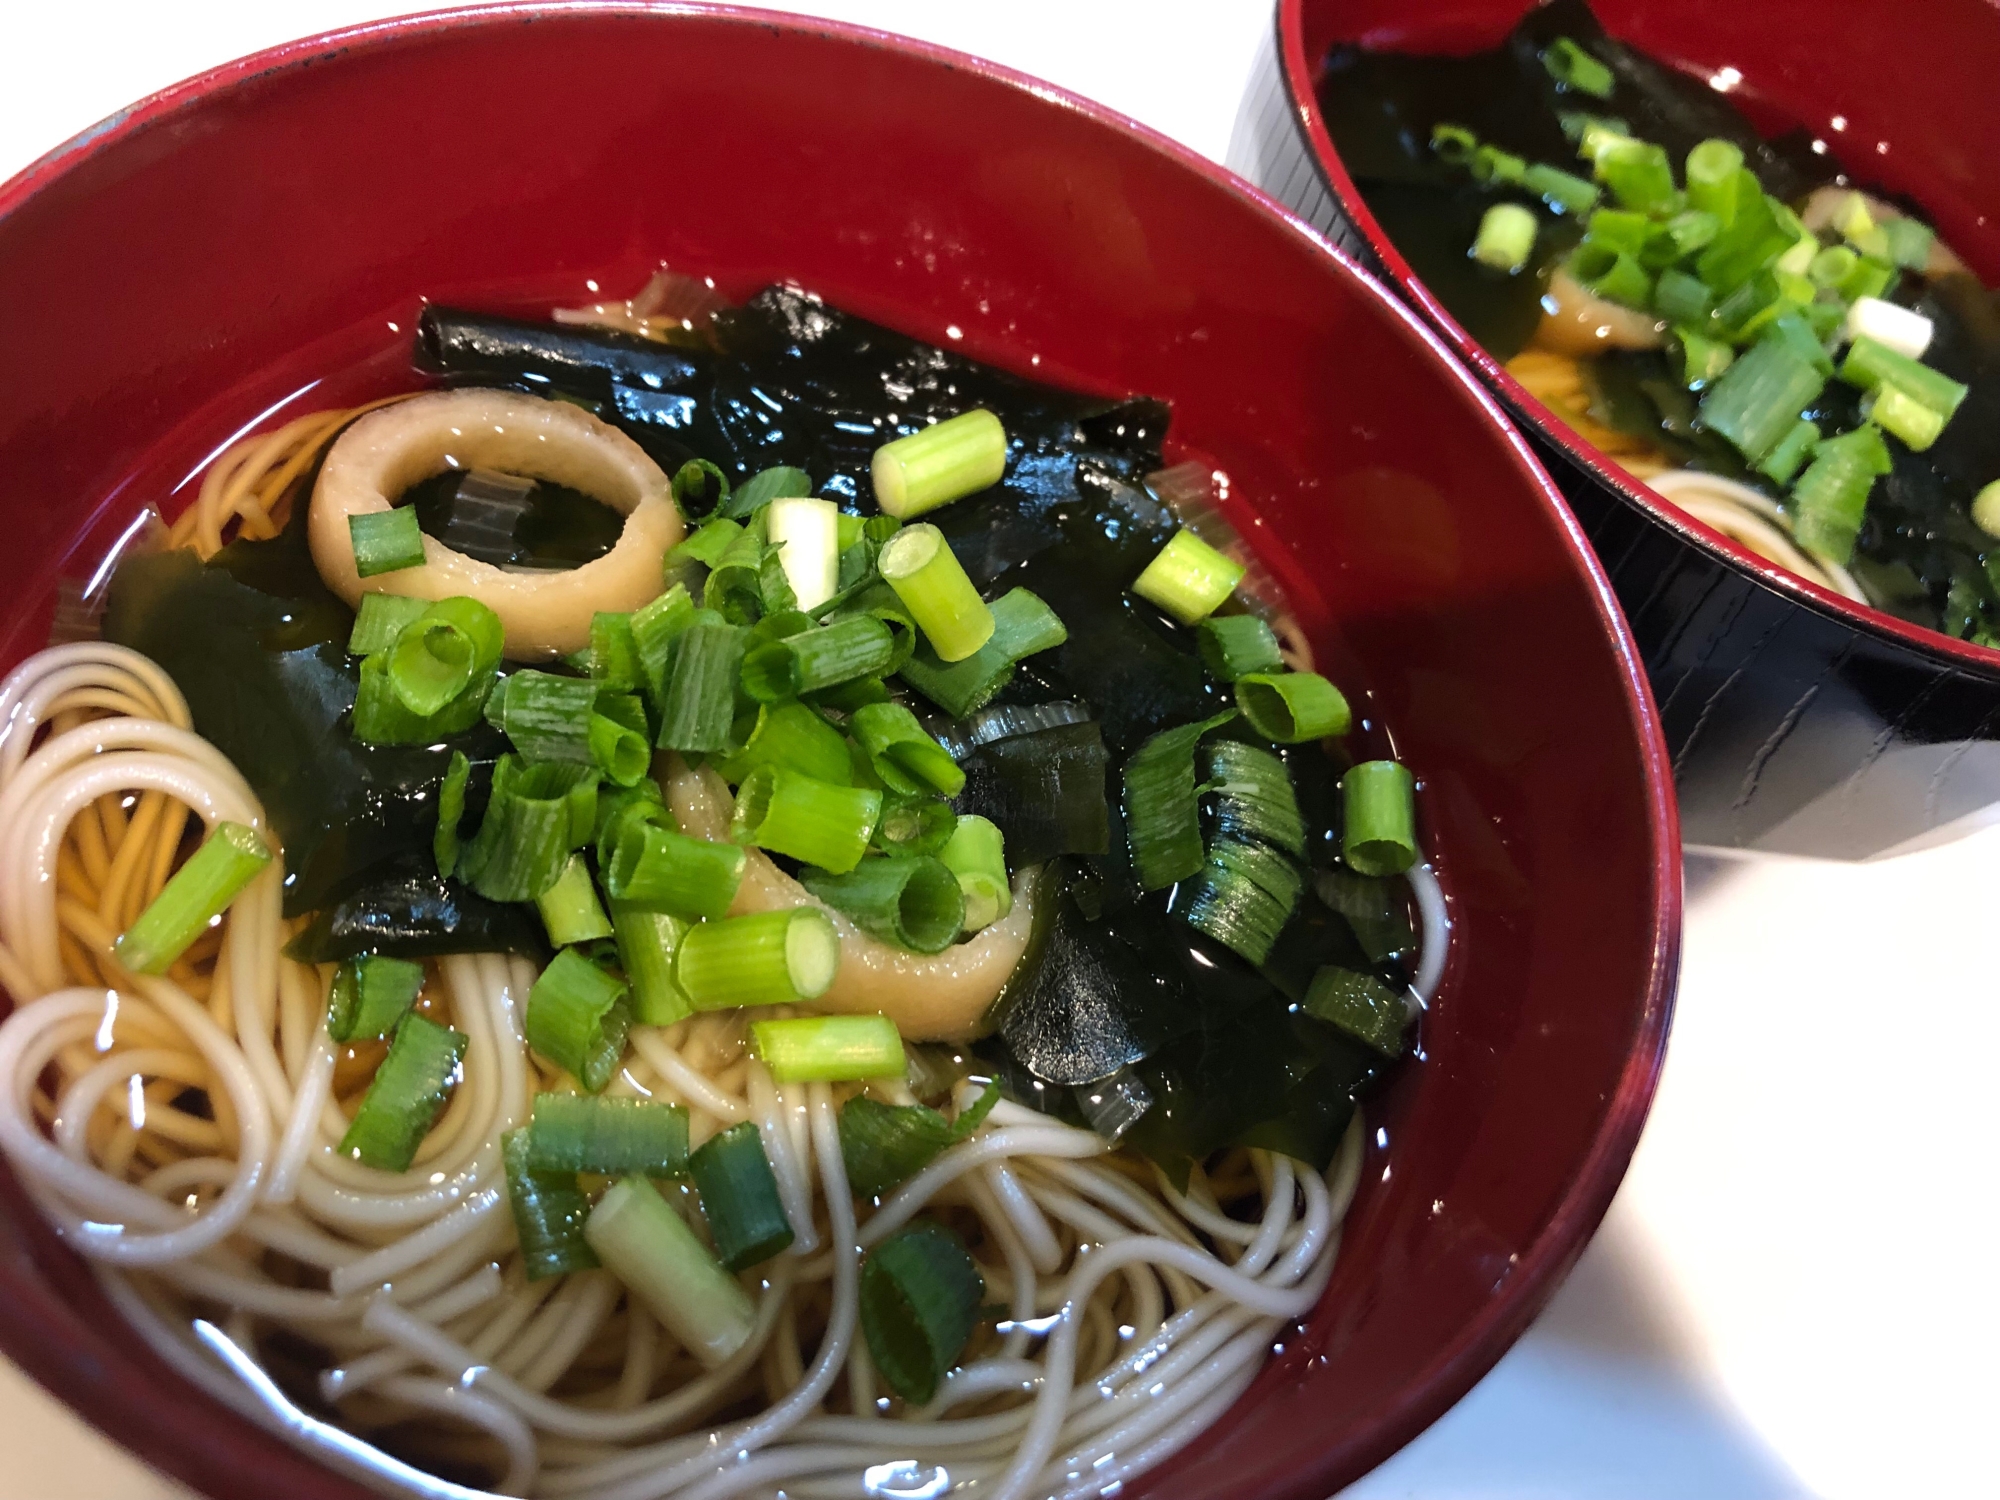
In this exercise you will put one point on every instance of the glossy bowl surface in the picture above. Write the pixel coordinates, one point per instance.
(1798, 721)
(263, 234)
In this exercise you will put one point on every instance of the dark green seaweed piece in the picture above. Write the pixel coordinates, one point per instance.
(258, 646)
(557, 527)
(1045, 791)
(408, 910)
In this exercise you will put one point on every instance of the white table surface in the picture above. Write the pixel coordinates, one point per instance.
(1793, 1294)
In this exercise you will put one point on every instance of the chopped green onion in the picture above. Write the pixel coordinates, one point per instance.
(1681, 298)
(1895, 411)
(1572, 67)
(570, 908)
(1253, 795)
(1380, 833)
(654, 627)
(405, 1095)
(658, 869)
(230, 858)
(735, 584)
(920, 1299)
(1909, 242)
(647, 942)
(1619, 229)
(1162, 818)
(976, 854)
(381, 719)
(1852, 218)
(1492, 167)
(536, 814)
(792, 736)
(739, 1197)
(700, 699)
(766, 485)
(1564, 192)
(547, 717)
(810, 820)
(912, 901)
(1360, 1005)
(1711, 178)
(577, 1018)
(1454, 144)
(1830, 498)
(1757, 401)
(828, 1049)
(1871, 277)
(1681, 236)
(1188, 578)
(1791, 328)
(920, 566)
(1754, 236)
(612, 1137)
(386, 541)
(813, 660)
(370, 996)
(1506, 237)
(770, 958)
(807, 532)
(845, 697)
(709, 543)
(1986, 509)
(617, 739)
(908, 760)
(1234, 646)
(700, 488)
(945, 462)
(1022, 626)
(1613, 274)
(1871, 363)
(884, 1145)
(380, 620)
(914, 825)
(451, 810)
(452, 645)
(1790, 455)
(1639, 176)
(1381, 923)
(1702, 359)
(1293, 707)
(1244, 896)
(1831, 266)
(614, 652)
(649, 1247)
(549, 1213)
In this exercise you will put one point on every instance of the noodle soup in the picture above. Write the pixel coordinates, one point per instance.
(715, 880)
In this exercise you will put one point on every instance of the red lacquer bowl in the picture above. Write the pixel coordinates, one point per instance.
(168, 277)
(1798, 721)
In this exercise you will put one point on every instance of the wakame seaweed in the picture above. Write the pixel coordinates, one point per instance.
(408, 910)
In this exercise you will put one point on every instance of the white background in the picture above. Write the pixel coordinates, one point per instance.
(1794, 1292)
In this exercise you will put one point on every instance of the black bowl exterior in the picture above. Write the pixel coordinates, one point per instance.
(1793, 729)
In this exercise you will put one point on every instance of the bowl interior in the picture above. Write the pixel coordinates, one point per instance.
(294, 209)
(1899, 105)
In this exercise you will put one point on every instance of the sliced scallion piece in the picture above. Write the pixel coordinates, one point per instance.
(1785, 460)
(549, 1213)
(370, 996)
(405, 1096)
(1897, 412)
(1022, 626)
(1757, 401)
(658, 869)
(451, 809)
(536, 814)
(1244, 896)
(928, 578)
(1293, 707)
(828, 1049)
(1380, 832)
(1909, 241)
(1162, 819)
(380, 620)
(1506, 237)
(699, 487)
(1564, 192)
(792, 736)
(1871, 363)
(1711, 178)
(769, 958)
(700, 700)
(545, 716)
(443, 652)
(650, 1248)
(1234, 646)
(813, 660)
(945, 462)
(1379, 918)
(757, 492)
(386, 541)
(654, 627)
(381, 719)
(614, 652)
(1188, 578)
(570, 908)
(920, 1299)
(1986, 508)
(1360, 1005)
(807, 534)
(613, 1137)
(577, 1018)
(619, 744)
(647, 942)
(739, 1197)
(914, 825)
(709, 543)
(1830, 498)
(976, 854)
(1253, 795)
(1680, 298)
(1572, 67)
(195, 898)
(907, 759)
(812, 821)
(885, 1145)
(913, 901)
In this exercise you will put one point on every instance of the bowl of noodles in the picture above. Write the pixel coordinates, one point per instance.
(713, 791)
(1820, 650)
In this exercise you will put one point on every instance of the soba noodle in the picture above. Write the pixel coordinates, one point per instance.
(181, 1133)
